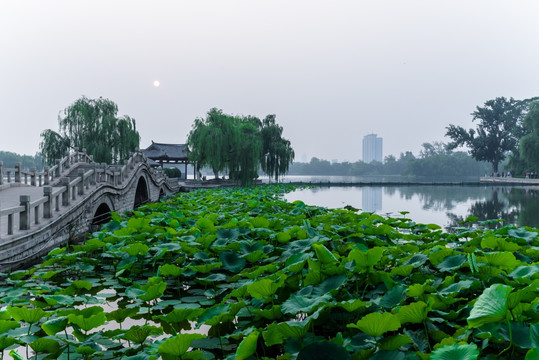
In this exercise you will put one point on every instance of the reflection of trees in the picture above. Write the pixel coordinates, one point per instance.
(513, 205)
(441, 197)
(527, 201)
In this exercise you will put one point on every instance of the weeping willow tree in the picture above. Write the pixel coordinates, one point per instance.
(277, 153)
(211, 141)
(529, 144)
(92, 124)
(236, 144)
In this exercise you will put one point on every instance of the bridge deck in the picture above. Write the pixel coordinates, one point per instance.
(10, 197)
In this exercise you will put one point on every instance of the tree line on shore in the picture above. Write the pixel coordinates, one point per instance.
(507, 132)
(433, 160)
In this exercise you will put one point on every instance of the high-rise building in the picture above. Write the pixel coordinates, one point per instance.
(372, 148)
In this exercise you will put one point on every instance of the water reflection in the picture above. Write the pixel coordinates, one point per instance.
(444, 205)
(513, 205)
(371, 199)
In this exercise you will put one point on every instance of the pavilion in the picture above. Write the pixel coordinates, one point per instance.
(167, 154)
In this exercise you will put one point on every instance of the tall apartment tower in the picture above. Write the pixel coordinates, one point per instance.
(372, 148)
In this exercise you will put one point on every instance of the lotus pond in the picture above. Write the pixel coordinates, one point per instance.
(243, 274)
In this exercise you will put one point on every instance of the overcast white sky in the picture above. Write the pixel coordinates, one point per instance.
(332, 71)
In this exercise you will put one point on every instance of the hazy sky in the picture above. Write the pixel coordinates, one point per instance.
(332, 71)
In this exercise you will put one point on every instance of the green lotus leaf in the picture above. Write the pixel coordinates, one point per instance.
(6, 341)
(86, 350)
(227, 234)
(416, 260)
(137, 248)
(283, 237)
(323, 254)
(180, 315)
(377, 324)
(82, 284)
(415, 290)
(4, 315)
(456, 287)
(260, 222)
(504, 260)
(175, 347)
(232, 261)
(332, 283)
(404, 270)
(322, 351)
(394, 342)
(205, 268)
(170, 270)
(414, 313)
(491, 306)
(139, 334)
(437, 255)
(366, 258)
(352, 305)
(456, 352)
(45, 345)
(263, 289)
(216, 314)
(301, 303)
(6, 325)
(452, 263)
(247, 347)
(277, 333)
(532, 354)
(254, 256)
(88, 323)
(272, 313)
(30, 316)
(521, 233)
(247, 247)
(54, 326)
(153, 289)
(393, 297)
(59, 299)
(524, 272)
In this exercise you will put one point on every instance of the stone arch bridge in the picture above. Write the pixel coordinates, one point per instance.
(43, 210)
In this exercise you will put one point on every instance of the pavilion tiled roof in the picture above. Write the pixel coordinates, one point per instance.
(166, 152)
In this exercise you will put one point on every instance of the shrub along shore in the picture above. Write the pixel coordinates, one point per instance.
(243, 274)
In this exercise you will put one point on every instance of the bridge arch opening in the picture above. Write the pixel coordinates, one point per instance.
(141, 194)
(161, 194)
(102, 215)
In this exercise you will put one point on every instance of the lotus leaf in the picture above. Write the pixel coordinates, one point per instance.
(176, 346)
(54, 326)
(45, 345)
(452, 263)
(456, 352)
(247, 347)
(276, 333)
(414, 313)
(377, 324)
(491, 306)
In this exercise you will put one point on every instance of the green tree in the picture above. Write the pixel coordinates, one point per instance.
(238, 144)
(277, 153)
(211, 141)
(92, 124)
(529, 144)
(496, 133)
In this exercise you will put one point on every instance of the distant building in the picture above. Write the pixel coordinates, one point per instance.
(372, 148)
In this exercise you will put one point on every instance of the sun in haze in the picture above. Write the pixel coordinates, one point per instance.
(156, 83)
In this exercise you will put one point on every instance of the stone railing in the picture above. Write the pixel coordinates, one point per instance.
(32, 177)
(63, 186)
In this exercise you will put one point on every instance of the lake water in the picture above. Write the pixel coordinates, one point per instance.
(444, 205)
